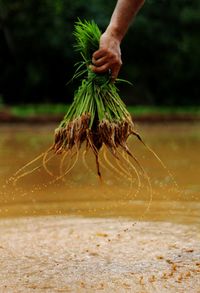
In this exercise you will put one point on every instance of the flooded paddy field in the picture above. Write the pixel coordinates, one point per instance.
(80, 234)
(82, 193)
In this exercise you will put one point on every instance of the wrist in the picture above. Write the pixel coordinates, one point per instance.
(115, 33)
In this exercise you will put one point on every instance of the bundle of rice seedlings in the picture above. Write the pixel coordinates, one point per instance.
(97, 115)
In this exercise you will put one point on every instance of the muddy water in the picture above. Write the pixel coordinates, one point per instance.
(122, 191)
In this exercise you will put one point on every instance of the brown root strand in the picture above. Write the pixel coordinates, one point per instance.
(15, 179)
(113, 168)
(32, 161)
(98, 167)
(146, 176)
(124, 154)
(62, 163)
(44, 163)
(157, 157)
(67, 171)
(85, 162)
(128, 176)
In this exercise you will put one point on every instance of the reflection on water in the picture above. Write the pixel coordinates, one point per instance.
(81, 193)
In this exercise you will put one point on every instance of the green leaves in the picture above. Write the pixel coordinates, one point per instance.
(97, 96)
(87, 36)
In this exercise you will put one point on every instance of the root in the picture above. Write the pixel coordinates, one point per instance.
(85, 162)
(125, 172)
(62, 163)
(149, 187)
(96, 153)
(44, 163)
(139, 180)
(126, 158)
(158, 159)
(128, 174)
(102, 164)
(15, 179)
(67, 171)
(111, 165)
(150, 196)
(31, 162)
(130, 178)
(98, 167)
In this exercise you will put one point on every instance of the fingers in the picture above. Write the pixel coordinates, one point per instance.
(100, 69)
(108, 56)
(115, 72)
(104, 68)
(99, 61)
(104, 60)
(99, 54)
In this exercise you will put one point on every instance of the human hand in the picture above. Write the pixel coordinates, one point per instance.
(108, 57)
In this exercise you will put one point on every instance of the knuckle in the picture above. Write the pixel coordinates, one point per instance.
(103, 51)
(95, 54)
(102, 68)
(105, 67)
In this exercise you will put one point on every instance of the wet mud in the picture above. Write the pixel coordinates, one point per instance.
(71, 254)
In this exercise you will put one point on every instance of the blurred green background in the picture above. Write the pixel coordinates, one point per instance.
(160, 51)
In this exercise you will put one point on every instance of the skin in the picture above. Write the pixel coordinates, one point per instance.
(108, 57)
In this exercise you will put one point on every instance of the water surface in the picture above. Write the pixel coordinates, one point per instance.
(82, 193)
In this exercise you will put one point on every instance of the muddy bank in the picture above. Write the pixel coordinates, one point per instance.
(7, 117)
(61, 254)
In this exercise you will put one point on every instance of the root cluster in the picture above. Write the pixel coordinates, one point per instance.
(111, 134)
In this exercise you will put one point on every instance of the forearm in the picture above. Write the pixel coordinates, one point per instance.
(124, 12)
(108, 57)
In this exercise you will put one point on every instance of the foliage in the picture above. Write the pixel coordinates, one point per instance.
(58, 110)
(160, 52)
(97, 115)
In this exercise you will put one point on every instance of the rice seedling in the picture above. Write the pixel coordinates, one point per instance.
(97, 119)
(97, 115)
